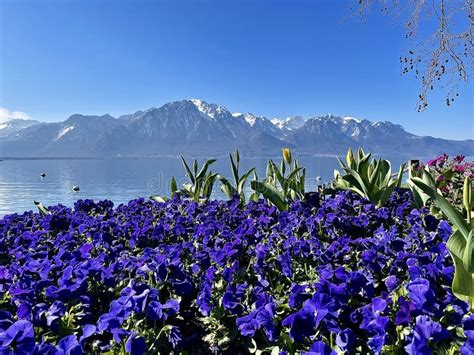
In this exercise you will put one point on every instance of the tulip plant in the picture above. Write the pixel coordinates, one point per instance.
(278, 188)
(372, 179)
(461, 243)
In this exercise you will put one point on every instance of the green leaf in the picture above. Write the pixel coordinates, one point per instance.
(421, 199)
(254, 197)
(467, 196)
(400, 175)
(235, 169)
(357, 180)
(209, 184)
(294, 173)
(196, 189)
(362, 167)
(373, 178)
(386, 173)
(243, 180)
(349, 158)
(468, 254)
(43, 210)
(189, 173)
(188, 187)
(173, 185)
(453, 215)
(282, 168)
(204, 168)
(418, 201)
(302, 181)
(271, 193)
(278, 174)
(269, 172)
(341, 163)
(386, 193)
(227, 187)
(463, 281)
(353, 189)
(158, 198)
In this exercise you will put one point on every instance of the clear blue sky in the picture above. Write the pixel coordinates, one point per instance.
(274, 58)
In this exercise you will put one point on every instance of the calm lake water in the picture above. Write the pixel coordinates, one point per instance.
(119, 180)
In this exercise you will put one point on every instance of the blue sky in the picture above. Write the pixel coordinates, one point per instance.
(274, 58)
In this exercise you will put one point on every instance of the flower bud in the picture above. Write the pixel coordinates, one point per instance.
(287, 155)
(467, 195)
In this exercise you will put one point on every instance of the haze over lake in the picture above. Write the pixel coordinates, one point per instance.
(117, 179)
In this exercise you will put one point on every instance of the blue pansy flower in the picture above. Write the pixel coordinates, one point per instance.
(320, 348)
(424, 330)
(135, 345)
(18, 337)
(69, 346)
(157, 310)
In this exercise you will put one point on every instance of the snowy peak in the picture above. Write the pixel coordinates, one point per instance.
(289, 123)
(248, 117)
(347, 119)
(211, 110)
(14, 125)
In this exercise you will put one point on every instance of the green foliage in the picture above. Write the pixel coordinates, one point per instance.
(270, 193)
(238, 186)
(42, 208)
(420, 198)
(371, 179)
(200, 185)
(461, 243)
(278, 188)
(201, 181)
(467, 197)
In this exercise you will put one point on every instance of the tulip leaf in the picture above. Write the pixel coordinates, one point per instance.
(468, 254)
(453, 215)
(271, 193)
(189, 173)
(463, 281)
(43, 210)
(158, 198)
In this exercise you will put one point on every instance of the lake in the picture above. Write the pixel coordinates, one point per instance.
(119, 180)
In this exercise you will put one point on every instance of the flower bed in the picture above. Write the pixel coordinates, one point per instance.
(218, 277)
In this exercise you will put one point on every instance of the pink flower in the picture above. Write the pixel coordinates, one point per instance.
(459, 168)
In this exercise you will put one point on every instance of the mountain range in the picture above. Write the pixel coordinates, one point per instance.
(197, 128)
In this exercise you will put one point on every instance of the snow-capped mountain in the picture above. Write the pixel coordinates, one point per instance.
(195, 127)
(259, 123)
(13, 126)
(289, 123)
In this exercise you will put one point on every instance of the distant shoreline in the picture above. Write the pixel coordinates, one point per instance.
(207, 157)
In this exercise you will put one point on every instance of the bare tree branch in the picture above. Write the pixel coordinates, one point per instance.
(439, 36)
